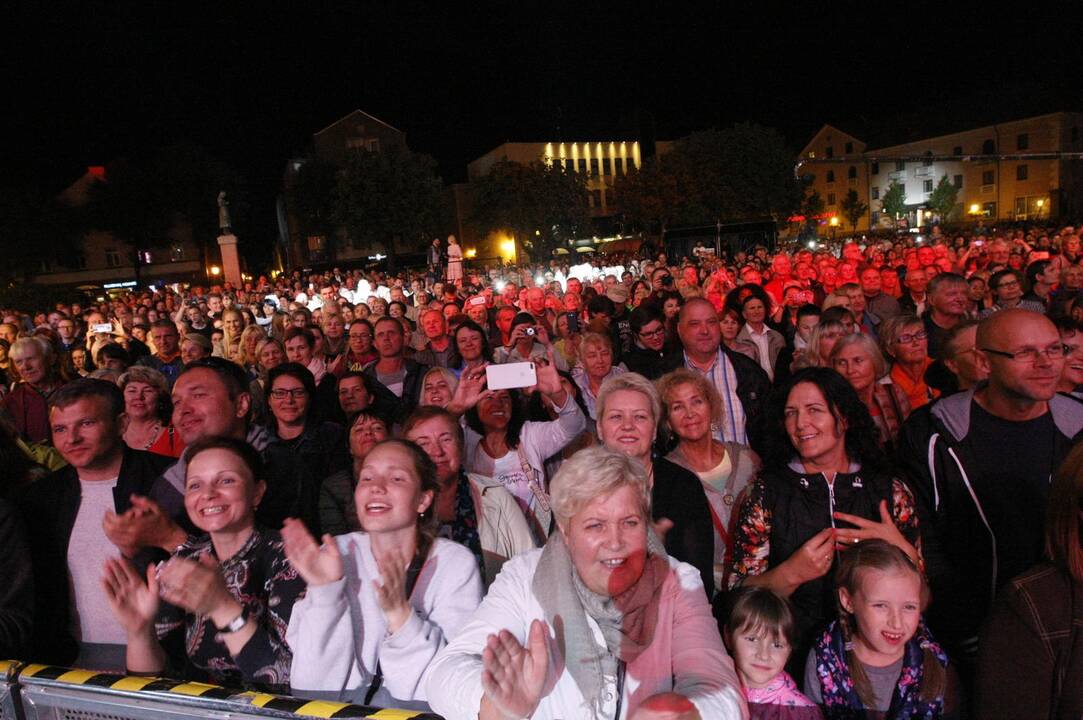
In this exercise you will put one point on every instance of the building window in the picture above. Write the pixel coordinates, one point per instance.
(988, 147)
(849, 148)
(829, 152)
(112, 257)
(596, 198)
(1075, 134)
(957, 150)
(607, 166)
(831, 198)
(927, 186)
(989, 209)
(374, 145)
(900, 166)
(594, 166)
(830, 176)
(876, 193)
(958, 181)
(1021, 172)
(852, 173)
(875, 170)
(1022, 141)
(988, 177)
(583, 165)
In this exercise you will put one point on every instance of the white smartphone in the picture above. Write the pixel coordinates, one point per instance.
(103, 327)
(510, 375)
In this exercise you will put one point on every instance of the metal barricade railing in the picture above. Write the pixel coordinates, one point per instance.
(55, 693)
(8, 691)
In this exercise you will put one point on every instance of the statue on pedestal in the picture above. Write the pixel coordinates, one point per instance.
(224, 227)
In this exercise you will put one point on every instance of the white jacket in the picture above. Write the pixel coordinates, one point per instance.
(502, 529)
(338, 632)
(686, 655)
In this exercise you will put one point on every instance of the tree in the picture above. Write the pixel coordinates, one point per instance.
(740, 172)
(390, 200)
(893, 201)
(812, 208)
(543, 206)
(311, 194)
(853, 208)
(943, 198)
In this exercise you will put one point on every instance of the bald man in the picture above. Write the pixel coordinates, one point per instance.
(979, 463)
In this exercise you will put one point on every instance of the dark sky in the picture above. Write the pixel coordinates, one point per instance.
(92, 81)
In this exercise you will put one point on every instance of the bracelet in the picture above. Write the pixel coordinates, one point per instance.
(236, 624)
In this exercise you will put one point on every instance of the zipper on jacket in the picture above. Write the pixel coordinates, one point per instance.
(830, 498)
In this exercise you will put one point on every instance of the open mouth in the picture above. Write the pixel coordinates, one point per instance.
(213, 510)
(613, 563)
(376, 508)
(893, 638)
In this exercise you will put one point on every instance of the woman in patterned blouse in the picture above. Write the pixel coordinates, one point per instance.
(218, 609)
(825, 485)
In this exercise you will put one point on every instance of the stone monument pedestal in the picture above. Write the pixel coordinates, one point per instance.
(231, 261)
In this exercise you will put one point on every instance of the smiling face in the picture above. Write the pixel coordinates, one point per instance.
(887, 608)
(271, 355)
(220, 493)
(140, 400)
(436, 390)
(470, 345)
(627, 424)
(494, 410)
(597, 359)
(440, 441)
(607, 540)
(298, 350)
(202, 406)
(688, 412)
(758, 655)
(389, 496)
(814, 430)
(364, 434)
(289, 400)
(698, 330)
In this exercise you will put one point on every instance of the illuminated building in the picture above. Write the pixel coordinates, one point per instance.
(1006, 171)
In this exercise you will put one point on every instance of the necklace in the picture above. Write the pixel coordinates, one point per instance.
(145, 443)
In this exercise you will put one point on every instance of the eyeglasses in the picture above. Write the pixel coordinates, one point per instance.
(911, 337)
(296, 393)
(652, 333)
(1031, 355)
(1007, 283)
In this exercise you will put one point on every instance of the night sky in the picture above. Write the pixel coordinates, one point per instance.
(92, 81)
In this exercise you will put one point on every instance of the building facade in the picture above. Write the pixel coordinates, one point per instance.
(1011, 171)
(334, 144)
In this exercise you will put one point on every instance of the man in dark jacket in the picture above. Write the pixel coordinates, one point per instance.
(741, 382)
(393, 370)
(68, 545)
(17, 590)
(979, 464)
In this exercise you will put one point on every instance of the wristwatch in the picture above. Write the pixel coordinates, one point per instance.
(236, 624)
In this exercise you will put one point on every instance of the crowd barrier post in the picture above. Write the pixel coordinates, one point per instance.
(46, 692)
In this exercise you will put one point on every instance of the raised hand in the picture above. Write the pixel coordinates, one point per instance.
(470, 389)
(144, 524)
(391, 592)
(548, 378)
(513, 676)
(666, 706)
(316, 564)
(813, 559)
(866, 529)
(134, 603)
(197, 586)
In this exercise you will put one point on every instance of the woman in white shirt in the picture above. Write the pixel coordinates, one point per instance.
(382, 602)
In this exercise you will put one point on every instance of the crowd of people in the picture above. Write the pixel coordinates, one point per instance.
(789, 485)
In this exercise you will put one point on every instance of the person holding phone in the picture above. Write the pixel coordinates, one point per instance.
(506, 448)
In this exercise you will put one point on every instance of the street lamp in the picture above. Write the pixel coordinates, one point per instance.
(834, 223)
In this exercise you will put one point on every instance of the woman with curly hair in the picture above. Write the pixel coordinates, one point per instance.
(825, 485)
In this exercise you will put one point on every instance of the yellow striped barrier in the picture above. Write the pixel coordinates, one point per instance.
(253, 703)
